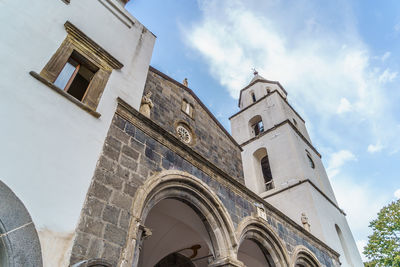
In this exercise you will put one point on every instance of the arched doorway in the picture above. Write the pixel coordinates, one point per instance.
(179, 237)
(177, 198)
(19, 241)
(251, 254)
(3, 250)
(303, 257)
(259, 245)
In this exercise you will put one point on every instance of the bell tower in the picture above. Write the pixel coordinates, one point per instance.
(283, 167)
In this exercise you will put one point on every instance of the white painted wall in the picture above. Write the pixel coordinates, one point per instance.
(272, 109)
(49, 146)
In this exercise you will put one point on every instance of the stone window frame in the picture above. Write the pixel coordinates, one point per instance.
(253, 97)
(79, 42)
(189, 129)
(256, 125)
(185, 105)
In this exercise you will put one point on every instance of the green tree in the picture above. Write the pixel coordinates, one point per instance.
(383, 246)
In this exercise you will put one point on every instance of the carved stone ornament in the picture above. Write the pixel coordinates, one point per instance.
(184, 134)
(304, 221)
(146, 105)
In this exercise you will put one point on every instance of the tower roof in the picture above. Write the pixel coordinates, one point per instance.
(258, 78)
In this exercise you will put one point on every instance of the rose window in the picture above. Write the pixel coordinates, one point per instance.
(184, 134)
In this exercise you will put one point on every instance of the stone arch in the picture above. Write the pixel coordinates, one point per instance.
(343, 244)
(19, 241)
(173, 184)
(93, 263)
(304, 257)
(260, 232)
(263, 170)
(256, 125)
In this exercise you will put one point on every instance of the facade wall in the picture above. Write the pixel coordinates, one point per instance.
(49, 145)
(211, 141)
(135, 150)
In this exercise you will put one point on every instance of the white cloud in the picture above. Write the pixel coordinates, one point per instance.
(344, 106)
(319, 65)
(337, 160)
(397, 27)
(385, 56)
(375, 148)
(326, 70)
(387, 76)
(397, 193)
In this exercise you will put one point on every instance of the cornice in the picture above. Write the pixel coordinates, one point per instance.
(314, 186)
(170, 141)
(276, 126)
(82, 38)
(262, 98)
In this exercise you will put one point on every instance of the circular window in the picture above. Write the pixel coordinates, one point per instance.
(184, 134)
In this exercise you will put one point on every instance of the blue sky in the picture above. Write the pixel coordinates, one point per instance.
(338, 60)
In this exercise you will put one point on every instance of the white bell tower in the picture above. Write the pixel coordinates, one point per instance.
(282, 166)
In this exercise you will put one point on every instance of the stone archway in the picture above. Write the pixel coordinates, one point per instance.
(19, 241)
(194, 193)
(303, 257)
(255, 232)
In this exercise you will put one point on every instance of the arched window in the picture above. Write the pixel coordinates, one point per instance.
(294, 122)
(258, 128)
(256, 125)
(343, 244)
(253, 97)
(268, 89)
(266, 171)
(310, 160)
(263, 170)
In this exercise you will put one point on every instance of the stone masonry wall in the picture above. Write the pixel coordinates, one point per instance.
(212, 142)
(135, 150)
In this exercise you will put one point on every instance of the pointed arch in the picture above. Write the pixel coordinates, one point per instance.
(173, 184)
(257, 230)
(304, 257)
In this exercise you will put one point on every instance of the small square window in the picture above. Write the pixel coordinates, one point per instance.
(76, 76)
(187, 108)
(80, 68)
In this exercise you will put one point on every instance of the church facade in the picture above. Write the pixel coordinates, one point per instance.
(124, 166)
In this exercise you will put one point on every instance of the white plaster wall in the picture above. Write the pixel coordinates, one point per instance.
(296, 200)
(50, 146)
(290, 115)
(268, 109)
(328, 216)
(272, 109)
(284, 162)
(322, 217)
(260, 90)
